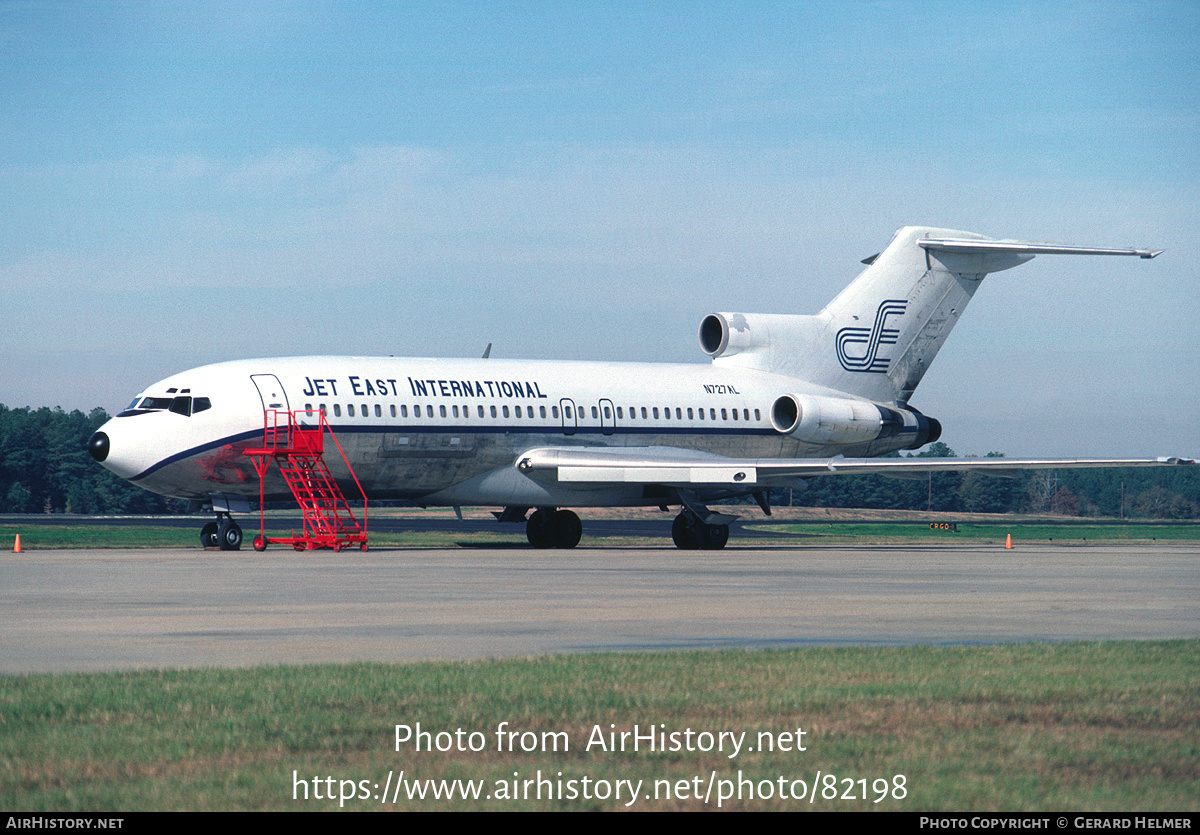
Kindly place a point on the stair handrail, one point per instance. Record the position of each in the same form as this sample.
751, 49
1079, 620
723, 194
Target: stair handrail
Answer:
325, 427
271, 428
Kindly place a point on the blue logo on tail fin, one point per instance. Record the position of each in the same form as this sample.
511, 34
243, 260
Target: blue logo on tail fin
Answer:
849, 340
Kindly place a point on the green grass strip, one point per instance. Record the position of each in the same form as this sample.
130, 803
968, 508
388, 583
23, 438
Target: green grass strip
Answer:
1029, 727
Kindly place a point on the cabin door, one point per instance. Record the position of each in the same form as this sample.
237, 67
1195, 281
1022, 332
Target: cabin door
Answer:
271, 391
608, 416
570, 416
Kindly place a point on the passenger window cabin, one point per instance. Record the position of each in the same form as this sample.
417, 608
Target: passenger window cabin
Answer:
187, 405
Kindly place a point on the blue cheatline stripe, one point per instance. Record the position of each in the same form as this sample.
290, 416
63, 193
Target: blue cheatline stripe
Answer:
552, 429
492, 429
196, 450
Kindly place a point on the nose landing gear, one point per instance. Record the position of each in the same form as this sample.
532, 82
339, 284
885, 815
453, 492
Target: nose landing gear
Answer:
224, 534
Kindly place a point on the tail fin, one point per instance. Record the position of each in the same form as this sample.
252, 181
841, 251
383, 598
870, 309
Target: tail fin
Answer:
887, 326
878, 337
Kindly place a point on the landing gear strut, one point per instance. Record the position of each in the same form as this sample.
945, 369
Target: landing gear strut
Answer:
223, 533
550, 528
691, 534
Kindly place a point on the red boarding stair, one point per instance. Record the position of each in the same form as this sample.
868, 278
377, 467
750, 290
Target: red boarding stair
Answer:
299, 447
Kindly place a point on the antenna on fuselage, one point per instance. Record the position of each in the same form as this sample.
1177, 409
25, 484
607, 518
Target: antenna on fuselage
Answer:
487, 351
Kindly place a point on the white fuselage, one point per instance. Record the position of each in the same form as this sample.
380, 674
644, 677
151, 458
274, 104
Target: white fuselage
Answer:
448, 431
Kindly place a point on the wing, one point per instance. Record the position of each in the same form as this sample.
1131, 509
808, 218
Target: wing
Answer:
686, 468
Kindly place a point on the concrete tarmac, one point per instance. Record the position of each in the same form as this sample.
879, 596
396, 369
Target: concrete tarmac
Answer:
77, 610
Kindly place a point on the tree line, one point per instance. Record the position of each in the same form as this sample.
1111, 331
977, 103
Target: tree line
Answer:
1132, 493
45, 468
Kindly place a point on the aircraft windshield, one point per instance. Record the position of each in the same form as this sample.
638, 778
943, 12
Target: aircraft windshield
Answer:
183, 404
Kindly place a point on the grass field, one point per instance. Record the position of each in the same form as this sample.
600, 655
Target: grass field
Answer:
1096, 726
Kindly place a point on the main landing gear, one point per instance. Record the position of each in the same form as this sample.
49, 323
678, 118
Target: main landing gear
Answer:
550, 528
223, 533
691, 534
696, 527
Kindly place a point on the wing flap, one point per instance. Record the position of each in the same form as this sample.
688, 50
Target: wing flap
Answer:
658, 475
642, 465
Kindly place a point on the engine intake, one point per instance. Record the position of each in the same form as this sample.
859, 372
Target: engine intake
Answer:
724, 334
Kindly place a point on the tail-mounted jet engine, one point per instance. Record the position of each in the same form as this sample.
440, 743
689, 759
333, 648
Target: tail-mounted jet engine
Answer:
757, 340
816, 419
728, 334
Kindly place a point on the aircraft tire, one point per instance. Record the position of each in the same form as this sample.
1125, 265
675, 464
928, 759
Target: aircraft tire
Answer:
714, 537
537, 529
230, 536
208, 535
565, 529
686, 537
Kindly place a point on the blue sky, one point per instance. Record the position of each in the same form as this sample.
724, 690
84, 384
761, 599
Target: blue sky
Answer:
186, 183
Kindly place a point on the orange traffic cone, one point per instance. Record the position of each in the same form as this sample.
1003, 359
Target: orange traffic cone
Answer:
17, 545
1008, 542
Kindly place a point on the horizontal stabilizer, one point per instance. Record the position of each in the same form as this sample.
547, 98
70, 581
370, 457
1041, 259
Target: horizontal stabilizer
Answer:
1027, 248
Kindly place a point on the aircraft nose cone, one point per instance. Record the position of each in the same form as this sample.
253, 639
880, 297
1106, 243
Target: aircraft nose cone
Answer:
98, 446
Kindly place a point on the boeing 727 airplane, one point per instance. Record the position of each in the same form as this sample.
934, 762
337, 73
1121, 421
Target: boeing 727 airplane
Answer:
785, 397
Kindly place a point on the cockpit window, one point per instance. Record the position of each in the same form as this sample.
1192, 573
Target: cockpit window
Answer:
183, 404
